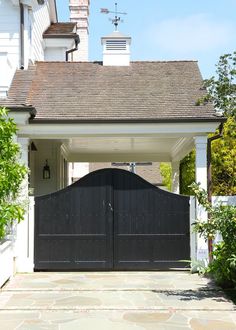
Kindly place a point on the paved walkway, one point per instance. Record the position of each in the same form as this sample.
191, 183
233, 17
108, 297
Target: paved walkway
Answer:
114, 301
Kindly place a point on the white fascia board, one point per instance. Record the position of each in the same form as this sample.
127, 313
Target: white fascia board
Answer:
20, 118
59, 42
64, 130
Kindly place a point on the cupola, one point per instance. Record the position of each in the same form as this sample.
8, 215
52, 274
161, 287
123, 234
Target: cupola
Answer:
116, 49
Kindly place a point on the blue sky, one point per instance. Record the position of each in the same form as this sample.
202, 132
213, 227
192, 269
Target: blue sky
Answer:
167, 29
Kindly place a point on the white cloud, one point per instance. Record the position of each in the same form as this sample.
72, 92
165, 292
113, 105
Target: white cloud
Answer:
191, 34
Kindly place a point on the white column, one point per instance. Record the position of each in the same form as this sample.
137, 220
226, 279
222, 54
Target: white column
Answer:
175, 177
201, 160
23, 244
201, 177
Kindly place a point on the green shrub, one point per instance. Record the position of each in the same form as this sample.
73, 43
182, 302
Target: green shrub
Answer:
12, 173
222, 219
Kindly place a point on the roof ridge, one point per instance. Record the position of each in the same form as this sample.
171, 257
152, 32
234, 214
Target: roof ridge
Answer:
97, 62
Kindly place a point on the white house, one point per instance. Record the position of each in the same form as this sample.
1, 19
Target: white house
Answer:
111, 111
29, 32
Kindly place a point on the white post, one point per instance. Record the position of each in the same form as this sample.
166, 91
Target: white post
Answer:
201, 177
175, 177
193, 235
24, 261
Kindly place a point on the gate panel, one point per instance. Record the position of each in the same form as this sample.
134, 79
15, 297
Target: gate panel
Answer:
111, 219
151, 226
74, 227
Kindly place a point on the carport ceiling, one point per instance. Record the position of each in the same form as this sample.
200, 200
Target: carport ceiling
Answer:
124, 148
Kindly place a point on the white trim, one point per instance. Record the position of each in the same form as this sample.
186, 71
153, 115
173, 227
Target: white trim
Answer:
60, 131
20, 118
118, 157
64, 43
182, 147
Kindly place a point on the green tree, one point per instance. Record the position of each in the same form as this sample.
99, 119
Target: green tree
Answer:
221, 91
224, 161
12, 173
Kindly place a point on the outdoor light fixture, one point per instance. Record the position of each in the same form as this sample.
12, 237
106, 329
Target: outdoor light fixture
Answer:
33, 147
46, 171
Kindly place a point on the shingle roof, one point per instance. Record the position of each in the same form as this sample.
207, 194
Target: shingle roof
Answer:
60, 29
90, 91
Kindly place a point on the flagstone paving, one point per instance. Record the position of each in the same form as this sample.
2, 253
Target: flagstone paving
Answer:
114, 301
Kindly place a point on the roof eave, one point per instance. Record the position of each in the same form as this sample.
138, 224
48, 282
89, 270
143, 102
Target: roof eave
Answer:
31, 110
125, 120
60, 36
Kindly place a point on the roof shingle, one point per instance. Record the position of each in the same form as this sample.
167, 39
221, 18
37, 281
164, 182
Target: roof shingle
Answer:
90, 91
60, 29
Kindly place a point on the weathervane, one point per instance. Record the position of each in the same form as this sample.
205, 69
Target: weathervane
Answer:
115, 20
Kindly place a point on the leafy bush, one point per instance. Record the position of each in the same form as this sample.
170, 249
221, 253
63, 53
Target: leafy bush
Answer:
222, 219
12, 173
166, 173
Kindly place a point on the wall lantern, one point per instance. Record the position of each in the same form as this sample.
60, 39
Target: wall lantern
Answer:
33, 147
46, 171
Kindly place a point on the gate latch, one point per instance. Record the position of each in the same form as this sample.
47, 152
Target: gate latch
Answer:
110, 207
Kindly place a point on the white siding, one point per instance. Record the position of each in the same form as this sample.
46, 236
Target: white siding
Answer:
40, 21
55, 54
37, 19
9, 43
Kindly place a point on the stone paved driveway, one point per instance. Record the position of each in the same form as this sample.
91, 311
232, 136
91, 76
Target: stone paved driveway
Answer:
114, 301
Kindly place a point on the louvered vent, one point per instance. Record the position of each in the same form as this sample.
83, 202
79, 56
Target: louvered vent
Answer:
116, 45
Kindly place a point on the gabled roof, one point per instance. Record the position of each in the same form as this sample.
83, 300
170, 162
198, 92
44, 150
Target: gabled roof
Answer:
56, 30
89, 91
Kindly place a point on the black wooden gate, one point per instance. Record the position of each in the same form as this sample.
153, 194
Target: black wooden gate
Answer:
111, 219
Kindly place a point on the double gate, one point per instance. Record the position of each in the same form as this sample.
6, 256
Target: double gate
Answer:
111, 219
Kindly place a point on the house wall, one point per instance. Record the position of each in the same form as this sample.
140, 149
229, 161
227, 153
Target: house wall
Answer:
9, 43
40, 22
37, 18
46, 150
55, 54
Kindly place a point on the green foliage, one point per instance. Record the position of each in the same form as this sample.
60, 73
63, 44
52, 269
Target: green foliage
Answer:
221, 91
223, 266
11, 174
187, 173
166, 173
224, 161
222, 219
